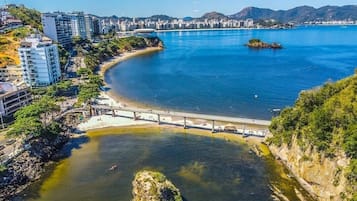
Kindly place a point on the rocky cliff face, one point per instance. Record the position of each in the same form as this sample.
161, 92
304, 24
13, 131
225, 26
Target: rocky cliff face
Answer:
321, 176
29, 165
153, 186
153, 42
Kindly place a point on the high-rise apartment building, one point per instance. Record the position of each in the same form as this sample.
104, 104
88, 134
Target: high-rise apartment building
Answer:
78, 24
89, 26
39, 61
96, 29
57, 26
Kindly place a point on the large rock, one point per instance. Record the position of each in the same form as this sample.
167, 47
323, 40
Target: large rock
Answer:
154, 186
29, 165
321, 176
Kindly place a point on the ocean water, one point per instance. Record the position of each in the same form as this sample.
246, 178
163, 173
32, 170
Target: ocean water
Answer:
213, 72
204, 169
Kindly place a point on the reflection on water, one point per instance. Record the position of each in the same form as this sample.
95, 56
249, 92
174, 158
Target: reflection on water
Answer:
202, 168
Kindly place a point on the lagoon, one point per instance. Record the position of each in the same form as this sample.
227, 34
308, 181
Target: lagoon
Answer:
203, 168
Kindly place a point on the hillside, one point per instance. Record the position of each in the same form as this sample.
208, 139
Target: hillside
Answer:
317, 138
9, 43
300, 14
28, 16
214, 15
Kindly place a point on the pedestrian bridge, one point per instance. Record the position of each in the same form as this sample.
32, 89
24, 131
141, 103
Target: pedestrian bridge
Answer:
100, 109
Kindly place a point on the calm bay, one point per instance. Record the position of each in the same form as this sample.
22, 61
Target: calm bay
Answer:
213, 72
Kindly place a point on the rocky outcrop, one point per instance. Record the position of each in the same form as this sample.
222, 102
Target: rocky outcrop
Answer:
258, 44
321, 176
29, 165
154, 186
153, 42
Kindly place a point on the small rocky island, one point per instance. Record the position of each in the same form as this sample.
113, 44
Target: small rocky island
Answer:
154, 186
258, 44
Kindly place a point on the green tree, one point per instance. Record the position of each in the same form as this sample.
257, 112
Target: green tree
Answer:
63, 86
33, 110
84, 72
27, 16
54, 128
26, 126
63, 56
87, 92
91, 61
95, 79
350, 141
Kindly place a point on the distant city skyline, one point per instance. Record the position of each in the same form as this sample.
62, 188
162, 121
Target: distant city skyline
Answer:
182, 8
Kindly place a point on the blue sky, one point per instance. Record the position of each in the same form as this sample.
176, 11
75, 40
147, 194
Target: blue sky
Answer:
178, 8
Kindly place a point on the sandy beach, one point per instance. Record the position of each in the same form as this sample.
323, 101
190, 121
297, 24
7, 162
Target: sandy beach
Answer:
127, 55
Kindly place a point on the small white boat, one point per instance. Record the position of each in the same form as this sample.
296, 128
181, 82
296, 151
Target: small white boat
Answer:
114, 167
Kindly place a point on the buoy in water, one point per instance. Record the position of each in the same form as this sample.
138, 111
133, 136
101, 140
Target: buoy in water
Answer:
255, 96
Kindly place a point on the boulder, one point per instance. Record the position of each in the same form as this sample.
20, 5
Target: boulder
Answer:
154, 186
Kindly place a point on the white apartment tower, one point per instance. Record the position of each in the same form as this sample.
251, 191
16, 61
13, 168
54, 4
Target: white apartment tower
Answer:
78, 24
57, 26
89, 27
39, 61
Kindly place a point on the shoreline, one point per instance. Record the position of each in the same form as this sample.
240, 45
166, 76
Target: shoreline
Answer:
112, 98
207, 29
245, 28
104, 67
125, 56
144, 128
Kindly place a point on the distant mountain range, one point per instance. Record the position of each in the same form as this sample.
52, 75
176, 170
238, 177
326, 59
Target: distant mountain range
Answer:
214, 15
297, 15
300, 14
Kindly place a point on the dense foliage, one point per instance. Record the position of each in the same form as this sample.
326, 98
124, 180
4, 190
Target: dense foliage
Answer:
325, 119
36, 118
28, 16
63, 56
54, 91
114, 47
90, 89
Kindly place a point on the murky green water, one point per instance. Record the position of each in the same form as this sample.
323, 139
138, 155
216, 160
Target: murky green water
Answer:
204, 169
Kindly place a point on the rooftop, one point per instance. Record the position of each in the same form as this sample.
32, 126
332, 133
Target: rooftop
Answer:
6, 87
35, 41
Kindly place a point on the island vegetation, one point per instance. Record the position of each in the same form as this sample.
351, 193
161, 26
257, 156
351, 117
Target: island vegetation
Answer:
324, 120
258, 44
154, 186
